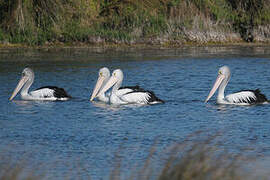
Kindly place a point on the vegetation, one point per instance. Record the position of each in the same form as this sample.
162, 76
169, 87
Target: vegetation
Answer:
191, 159
35, 22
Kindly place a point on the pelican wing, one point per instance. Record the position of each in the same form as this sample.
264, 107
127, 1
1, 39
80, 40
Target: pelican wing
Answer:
43, 93
127, 89
50, 92
141, 97
134, 88
136, 97
122, 92
247, 96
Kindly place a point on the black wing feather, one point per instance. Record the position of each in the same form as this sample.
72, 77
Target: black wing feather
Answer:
58, 92
153, 97
137, 88
260, 98
134, 88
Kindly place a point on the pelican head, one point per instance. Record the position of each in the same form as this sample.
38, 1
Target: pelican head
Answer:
103, 77
116, 79
27, 77
223, 77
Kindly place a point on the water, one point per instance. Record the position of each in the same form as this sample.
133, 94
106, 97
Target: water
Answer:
66, 135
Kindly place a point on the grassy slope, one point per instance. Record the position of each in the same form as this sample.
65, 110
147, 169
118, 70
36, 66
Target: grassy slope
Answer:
166, 22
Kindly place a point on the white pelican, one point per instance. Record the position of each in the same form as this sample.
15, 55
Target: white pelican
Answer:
244, 97
127, 95
51, 93
103, 77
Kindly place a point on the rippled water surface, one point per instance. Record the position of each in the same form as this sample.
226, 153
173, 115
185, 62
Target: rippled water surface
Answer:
65, 135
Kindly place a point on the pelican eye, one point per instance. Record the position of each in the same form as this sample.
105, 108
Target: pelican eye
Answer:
100, 74
219, 72
114, 74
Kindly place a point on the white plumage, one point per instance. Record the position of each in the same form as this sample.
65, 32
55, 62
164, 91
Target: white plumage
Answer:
127, 95
123, 95
241, 97
245, 97
49, 93
43, 93
135, 97
103, 77
123, 91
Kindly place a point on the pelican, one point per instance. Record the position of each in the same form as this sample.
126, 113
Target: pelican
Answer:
103, 77
51, 93
127, 95
244, 97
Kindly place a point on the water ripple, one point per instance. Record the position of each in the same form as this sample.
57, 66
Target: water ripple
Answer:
93, 132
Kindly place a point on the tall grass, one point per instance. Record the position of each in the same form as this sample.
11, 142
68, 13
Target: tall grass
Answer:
189, 160
37, 22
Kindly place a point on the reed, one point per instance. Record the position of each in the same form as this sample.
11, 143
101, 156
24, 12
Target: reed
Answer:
188, 160
193, 158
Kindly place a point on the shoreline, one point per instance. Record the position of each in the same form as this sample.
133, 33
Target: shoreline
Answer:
86, 51
130, 46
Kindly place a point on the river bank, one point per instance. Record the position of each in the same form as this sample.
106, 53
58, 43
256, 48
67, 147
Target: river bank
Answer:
151, 22
102, 52
125, 46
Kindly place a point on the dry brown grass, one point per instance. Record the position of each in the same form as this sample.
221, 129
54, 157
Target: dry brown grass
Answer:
192, 159
189, 160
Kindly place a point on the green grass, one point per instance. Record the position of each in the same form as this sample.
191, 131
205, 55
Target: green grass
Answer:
37, 22
2, 35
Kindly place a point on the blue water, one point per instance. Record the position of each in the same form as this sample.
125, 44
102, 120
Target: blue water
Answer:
77, 133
